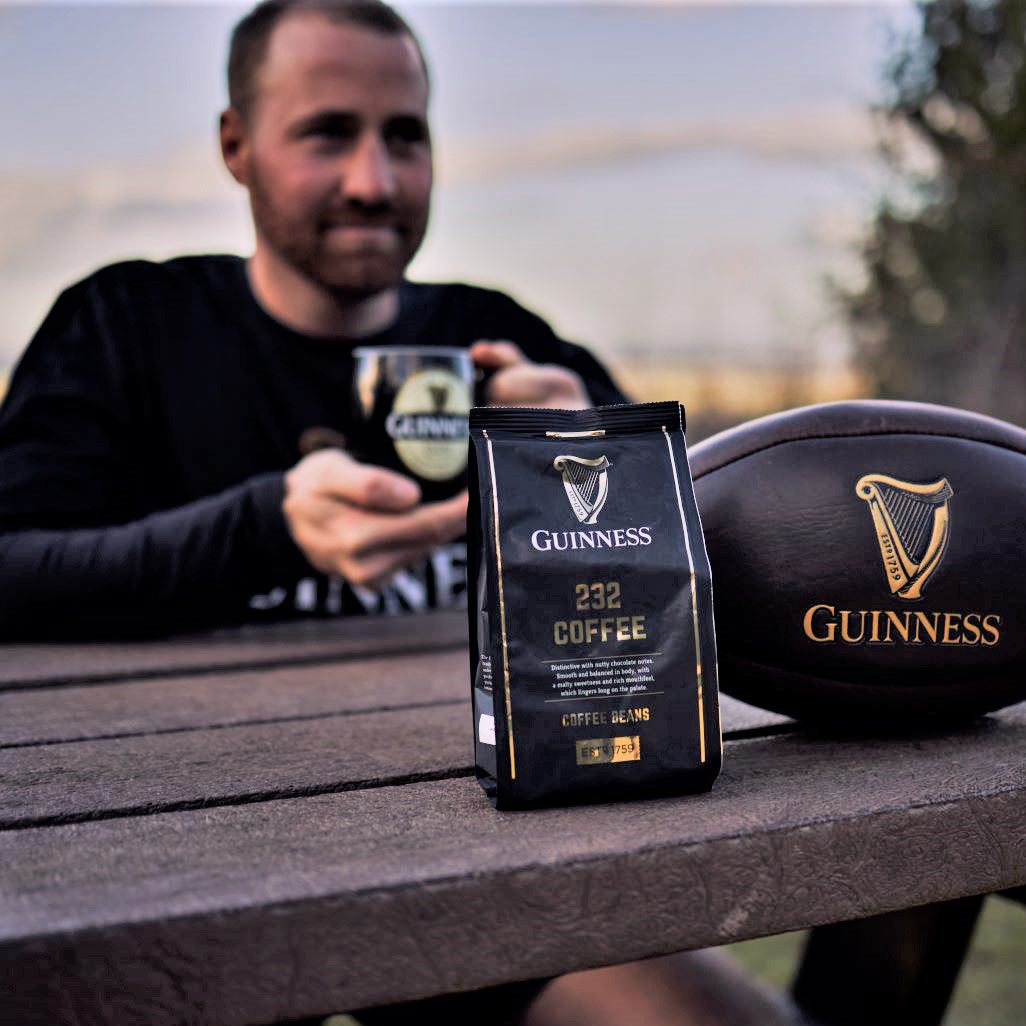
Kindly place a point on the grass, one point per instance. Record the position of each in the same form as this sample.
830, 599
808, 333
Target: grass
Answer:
771, 959
738, 391
991, 989
716, 397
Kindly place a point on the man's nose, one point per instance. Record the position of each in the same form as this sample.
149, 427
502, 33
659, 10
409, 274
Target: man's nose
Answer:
369, 175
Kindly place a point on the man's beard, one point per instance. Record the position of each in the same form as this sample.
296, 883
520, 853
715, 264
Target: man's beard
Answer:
349, 276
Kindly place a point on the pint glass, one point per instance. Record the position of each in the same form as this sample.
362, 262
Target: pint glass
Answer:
412, 405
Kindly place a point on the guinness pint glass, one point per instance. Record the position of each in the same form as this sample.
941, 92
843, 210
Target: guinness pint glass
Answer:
412, 405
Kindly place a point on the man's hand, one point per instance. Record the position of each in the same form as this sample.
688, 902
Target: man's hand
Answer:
518, 382
364, 522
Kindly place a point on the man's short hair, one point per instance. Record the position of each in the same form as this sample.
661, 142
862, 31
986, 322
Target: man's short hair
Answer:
250, 37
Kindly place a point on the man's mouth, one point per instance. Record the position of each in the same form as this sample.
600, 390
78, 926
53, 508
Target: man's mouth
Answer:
362, 236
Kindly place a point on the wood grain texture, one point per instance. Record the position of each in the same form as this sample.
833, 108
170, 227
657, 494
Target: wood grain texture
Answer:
153, 705
183, 768
162, 772
150, 705
282, 644
400, 892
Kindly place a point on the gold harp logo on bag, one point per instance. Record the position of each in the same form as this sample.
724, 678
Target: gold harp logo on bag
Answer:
586, 485
912, 527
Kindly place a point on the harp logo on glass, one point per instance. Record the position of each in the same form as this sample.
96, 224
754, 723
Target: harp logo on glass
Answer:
586, 483
912, 528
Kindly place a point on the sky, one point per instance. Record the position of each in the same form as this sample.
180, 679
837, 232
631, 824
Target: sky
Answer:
664, 182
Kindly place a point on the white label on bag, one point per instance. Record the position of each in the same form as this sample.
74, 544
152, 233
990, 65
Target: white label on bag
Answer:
486, 729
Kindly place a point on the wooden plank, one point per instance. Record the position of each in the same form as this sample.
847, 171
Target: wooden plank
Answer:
395, 893
255, 696
160, 772
281, 644
362, 745
236, 698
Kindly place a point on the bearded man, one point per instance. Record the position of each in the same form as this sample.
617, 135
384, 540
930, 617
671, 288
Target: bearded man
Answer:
152, 472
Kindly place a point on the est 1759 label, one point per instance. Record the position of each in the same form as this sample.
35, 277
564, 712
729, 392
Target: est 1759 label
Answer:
598, 751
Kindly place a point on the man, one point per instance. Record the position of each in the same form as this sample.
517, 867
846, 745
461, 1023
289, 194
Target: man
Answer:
150, 470
149, 476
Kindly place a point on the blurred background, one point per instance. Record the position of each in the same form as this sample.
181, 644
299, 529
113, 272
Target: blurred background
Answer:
675, 186
742, 206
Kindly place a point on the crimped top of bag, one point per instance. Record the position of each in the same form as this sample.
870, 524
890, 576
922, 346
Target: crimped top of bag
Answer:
626, 418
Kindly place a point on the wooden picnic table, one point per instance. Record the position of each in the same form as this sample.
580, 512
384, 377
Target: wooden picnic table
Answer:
263, 824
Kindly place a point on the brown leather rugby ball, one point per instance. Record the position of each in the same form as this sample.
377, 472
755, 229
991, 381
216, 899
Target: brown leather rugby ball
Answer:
868, 561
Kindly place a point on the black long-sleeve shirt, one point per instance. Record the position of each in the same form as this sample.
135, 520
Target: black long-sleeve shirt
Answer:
145, 436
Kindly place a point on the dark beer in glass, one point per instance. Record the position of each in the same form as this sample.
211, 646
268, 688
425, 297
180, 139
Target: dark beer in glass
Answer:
412, 405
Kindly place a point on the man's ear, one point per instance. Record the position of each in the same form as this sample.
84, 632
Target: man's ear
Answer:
235, 145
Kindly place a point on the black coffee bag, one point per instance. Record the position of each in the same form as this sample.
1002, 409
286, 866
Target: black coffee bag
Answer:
592, 649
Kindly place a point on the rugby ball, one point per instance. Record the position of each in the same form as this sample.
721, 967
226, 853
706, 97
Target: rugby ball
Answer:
868, 561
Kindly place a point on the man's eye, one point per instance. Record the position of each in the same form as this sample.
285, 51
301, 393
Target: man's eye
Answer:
331, 136
404, 133
330, 132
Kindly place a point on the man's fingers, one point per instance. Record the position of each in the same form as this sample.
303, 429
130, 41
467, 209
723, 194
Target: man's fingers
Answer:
533, 384
339, 476
495, 355
432, 524
374, 571
524, 384
375, 488
516, 381
364, 522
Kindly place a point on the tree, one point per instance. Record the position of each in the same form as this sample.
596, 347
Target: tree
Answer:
942, 314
